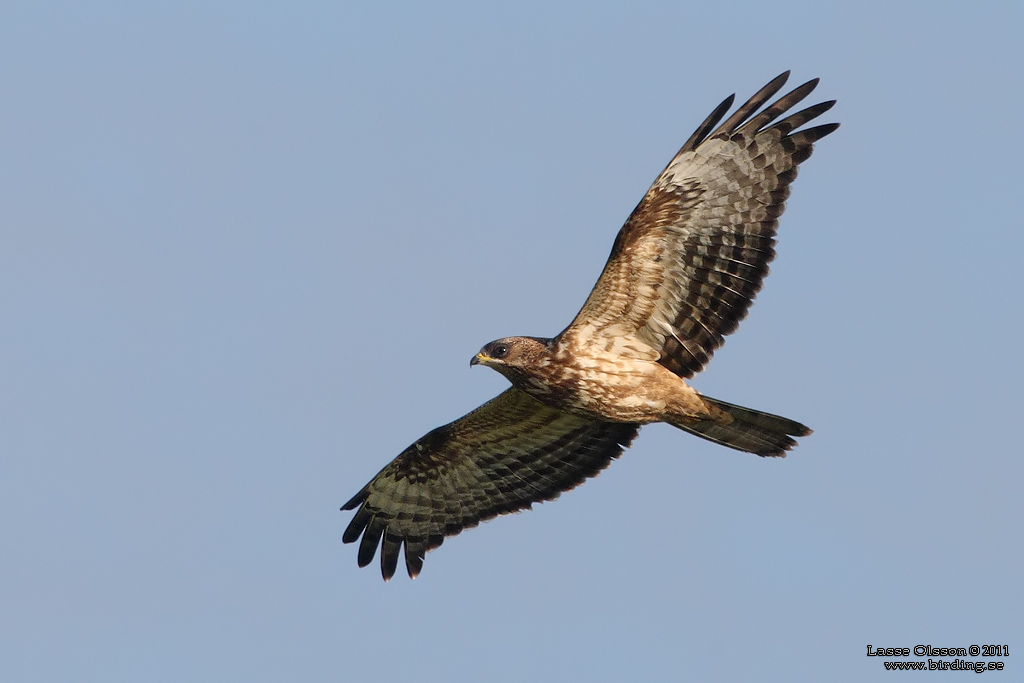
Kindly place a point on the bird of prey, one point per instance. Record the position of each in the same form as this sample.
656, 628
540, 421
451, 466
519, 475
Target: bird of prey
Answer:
682, 273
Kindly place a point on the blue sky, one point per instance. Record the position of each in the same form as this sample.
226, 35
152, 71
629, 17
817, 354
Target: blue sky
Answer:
247, 251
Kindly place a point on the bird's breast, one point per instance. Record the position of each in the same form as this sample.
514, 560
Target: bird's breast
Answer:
607, 387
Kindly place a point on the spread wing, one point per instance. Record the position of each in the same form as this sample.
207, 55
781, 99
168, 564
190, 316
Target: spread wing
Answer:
689, 260
504, 456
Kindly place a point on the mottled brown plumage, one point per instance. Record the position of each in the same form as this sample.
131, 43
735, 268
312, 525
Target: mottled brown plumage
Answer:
682, 273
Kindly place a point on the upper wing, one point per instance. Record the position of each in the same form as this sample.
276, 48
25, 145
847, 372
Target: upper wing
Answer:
687, 264
507, 454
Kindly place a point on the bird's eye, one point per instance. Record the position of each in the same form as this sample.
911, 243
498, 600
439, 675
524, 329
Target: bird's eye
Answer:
499, 351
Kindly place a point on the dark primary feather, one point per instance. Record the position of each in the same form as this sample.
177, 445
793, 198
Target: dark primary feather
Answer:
504, 456
759, 98
690, 259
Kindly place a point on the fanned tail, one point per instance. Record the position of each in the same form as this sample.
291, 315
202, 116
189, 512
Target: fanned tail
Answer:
750, 430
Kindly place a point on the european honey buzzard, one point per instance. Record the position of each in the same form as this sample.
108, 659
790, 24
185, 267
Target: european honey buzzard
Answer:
682, 273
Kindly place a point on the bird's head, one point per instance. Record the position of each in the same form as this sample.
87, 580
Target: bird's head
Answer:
511, 356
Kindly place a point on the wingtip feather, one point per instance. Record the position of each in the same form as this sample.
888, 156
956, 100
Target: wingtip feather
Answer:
356, 500
389, 550
371, 539
709, 123
356, 526
748, 108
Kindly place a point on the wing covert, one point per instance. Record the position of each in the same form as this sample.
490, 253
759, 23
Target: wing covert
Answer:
504, 456
688, 262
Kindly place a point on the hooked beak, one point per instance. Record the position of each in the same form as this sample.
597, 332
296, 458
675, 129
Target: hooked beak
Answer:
478, 359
